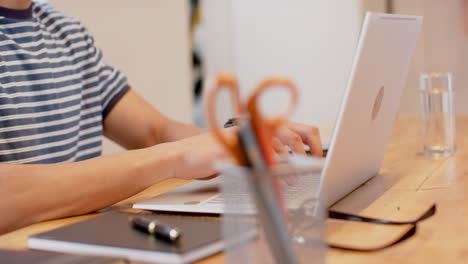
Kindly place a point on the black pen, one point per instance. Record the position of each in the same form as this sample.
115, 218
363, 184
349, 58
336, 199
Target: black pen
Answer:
155, 228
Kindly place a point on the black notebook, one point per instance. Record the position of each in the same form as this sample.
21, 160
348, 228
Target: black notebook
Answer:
112, 235
42, 257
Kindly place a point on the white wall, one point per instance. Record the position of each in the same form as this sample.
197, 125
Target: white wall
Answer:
214, 37
289, 38
312, 42
148, 40
442, 48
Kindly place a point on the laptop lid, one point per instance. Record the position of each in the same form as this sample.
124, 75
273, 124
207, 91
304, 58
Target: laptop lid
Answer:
370, 103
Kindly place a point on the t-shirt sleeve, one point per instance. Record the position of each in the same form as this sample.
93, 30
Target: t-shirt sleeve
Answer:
112, 83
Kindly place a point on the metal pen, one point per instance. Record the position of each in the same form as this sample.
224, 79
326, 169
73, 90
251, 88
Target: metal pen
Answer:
266, 200
155, 228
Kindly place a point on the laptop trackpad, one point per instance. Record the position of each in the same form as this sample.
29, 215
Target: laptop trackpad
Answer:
194, 193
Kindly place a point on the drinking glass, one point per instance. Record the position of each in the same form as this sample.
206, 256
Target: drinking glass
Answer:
436, 93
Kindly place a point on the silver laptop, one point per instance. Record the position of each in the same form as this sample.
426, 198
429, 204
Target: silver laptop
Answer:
370, 104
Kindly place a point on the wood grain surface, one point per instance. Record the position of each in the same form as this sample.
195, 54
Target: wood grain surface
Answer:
407, 185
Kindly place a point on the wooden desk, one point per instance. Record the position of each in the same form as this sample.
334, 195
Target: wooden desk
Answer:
407, 184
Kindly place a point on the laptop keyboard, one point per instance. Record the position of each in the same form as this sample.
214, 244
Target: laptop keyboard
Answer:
295, 193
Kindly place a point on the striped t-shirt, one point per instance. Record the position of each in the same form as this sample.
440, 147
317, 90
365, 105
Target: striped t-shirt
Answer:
55, 88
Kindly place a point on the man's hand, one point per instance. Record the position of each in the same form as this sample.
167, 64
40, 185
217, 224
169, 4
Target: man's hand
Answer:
136, 124
199, 152
296, 135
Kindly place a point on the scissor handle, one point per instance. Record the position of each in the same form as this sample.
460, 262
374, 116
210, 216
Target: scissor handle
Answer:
274, 121
224, 81
265, 127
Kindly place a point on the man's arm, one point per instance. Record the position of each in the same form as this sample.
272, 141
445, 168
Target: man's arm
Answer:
34, 193
134, 124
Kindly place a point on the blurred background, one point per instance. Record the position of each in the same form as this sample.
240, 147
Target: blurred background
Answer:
169, 49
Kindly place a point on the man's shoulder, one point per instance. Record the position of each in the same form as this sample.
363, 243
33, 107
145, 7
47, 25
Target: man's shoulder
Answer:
48, 14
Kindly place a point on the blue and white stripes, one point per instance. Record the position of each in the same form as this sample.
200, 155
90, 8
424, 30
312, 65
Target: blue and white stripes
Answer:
55, 89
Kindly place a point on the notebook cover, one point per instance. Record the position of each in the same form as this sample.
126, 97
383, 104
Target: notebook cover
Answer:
200, 237
42, 257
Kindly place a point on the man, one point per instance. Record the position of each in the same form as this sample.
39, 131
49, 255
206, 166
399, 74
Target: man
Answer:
58, 97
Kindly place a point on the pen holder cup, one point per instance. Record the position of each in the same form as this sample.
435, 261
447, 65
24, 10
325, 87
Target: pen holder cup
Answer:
264, 225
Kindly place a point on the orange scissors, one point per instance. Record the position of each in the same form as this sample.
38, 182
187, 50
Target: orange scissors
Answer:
263, 128
253, 147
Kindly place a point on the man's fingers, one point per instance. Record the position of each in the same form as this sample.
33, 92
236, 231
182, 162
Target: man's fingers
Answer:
315, 149
279, 147
310, 136
292, 139
315, 144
